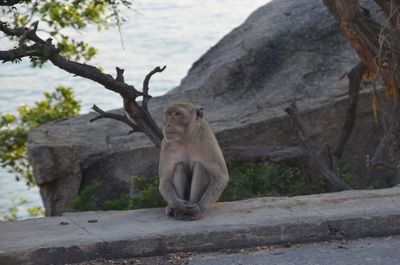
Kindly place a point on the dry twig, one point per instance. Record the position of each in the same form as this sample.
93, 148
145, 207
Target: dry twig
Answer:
302, 156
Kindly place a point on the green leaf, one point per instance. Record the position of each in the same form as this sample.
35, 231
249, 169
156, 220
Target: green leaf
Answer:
60, 17
13, 129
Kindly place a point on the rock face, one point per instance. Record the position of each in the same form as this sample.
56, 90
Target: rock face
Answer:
286, 51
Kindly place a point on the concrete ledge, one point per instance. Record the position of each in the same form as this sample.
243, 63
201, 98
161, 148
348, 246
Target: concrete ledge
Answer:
263, 221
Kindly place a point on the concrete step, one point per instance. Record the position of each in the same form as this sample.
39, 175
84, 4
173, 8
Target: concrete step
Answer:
76, 237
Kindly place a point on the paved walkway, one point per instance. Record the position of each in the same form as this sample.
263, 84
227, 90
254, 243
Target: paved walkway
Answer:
82, 236
371, 251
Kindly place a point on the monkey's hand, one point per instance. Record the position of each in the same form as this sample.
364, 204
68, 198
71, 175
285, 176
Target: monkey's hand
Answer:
186, 206
195, 209
190, 215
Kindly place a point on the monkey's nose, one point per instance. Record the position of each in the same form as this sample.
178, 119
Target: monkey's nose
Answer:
168, 125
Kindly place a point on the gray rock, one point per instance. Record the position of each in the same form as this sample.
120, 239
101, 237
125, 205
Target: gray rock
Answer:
286, 51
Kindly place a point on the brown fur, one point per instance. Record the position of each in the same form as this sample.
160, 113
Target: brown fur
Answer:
192, 170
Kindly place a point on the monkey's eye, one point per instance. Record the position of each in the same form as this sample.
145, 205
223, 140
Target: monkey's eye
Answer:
177, 114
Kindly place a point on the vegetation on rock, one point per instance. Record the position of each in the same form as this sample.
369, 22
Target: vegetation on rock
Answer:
246, 181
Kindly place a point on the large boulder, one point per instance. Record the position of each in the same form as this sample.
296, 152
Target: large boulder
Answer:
286, 51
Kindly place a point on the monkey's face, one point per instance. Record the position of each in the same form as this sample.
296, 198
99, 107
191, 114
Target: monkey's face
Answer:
179, 118
176, 121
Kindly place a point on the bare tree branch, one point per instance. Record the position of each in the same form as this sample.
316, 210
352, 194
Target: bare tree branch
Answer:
377, 159
355, 79
315, 166
381, 150
94, 74
146, 96
293, 156
388, 6
114, 116
120, 74
19, 32
9, 2
296, 121
19, 53
375, 164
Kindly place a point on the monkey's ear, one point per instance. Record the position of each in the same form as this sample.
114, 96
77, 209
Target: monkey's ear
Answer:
199, 113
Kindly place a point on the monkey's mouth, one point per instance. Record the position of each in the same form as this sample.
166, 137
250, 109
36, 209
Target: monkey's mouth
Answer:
171, 135
172, 131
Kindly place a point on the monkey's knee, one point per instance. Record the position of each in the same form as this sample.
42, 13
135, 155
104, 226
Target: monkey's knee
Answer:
200, 182
180, 181
180, 170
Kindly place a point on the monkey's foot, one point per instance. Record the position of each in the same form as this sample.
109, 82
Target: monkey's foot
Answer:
179, 215
173, 212
185, 217
169, 211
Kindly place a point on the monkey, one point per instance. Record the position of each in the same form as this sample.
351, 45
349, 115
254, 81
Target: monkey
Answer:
192, 169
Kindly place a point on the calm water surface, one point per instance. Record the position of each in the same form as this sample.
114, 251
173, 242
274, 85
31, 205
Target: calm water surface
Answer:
157, 32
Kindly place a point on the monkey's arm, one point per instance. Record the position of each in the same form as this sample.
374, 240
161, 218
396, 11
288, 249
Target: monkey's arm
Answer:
168, 192
213, 191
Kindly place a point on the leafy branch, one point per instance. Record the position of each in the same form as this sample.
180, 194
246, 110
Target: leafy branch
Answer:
59, 15
139, 115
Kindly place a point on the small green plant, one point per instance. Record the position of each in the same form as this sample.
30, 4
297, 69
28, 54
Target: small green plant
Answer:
258, 180
16, 205
85, 200
35, 211
345, 174
13, 210
149, 195
121, 203
14, 129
